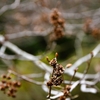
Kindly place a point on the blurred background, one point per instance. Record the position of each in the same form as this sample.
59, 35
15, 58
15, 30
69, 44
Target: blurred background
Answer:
27, 24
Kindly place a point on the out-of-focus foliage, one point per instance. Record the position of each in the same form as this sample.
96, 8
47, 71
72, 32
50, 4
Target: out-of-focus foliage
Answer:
81, 35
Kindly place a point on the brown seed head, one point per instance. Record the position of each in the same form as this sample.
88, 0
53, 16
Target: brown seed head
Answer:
18, 84
8, 93
66, 93
2, 88
49, 83
3, 81
53, 62
9, 83
60, 21
68, 87
3, 76
68, 65
13, 95
8, 77
14, 83
11, 90
62, 98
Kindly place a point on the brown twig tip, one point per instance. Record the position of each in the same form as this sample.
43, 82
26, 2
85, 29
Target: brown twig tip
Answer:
56, 54
68, 65
76, 69
91, 54
68, 87
49, 83
47, 59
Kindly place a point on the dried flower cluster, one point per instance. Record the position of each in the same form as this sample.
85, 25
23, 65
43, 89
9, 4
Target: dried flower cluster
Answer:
57, 73
95, 32
66, 93
8, 86
87, 27
58, 23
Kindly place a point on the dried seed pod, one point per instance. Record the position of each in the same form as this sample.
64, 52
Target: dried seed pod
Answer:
60, 21
8, 86
14, 89
4, 76
18, 84
54, 21
8, 77
96, 33
68, 87
11, 90
13, 95
8, 93
49, 83
14, 83
87, 26
3, 81
56, 55
54, 16
62, 98
2, 88
66, 93
68, 65
9, 83
58, 70
60, 67
53, 62
5, 85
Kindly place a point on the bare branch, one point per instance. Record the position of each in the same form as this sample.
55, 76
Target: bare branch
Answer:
9, 7
25, 78
81, 60
27, 56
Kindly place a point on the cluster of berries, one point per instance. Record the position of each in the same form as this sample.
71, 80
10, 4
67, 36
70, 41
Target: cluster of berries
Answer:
8, 86
57, 73
58, 23
66, 93
89, 28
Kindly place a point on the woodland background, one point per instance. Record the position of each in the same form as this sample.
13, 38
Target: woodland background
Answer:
27, 25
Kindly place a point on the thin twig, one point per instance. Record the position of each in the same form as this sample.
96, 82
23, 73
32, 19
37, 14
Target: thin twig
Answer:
25, 78
73, 76
88, 66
